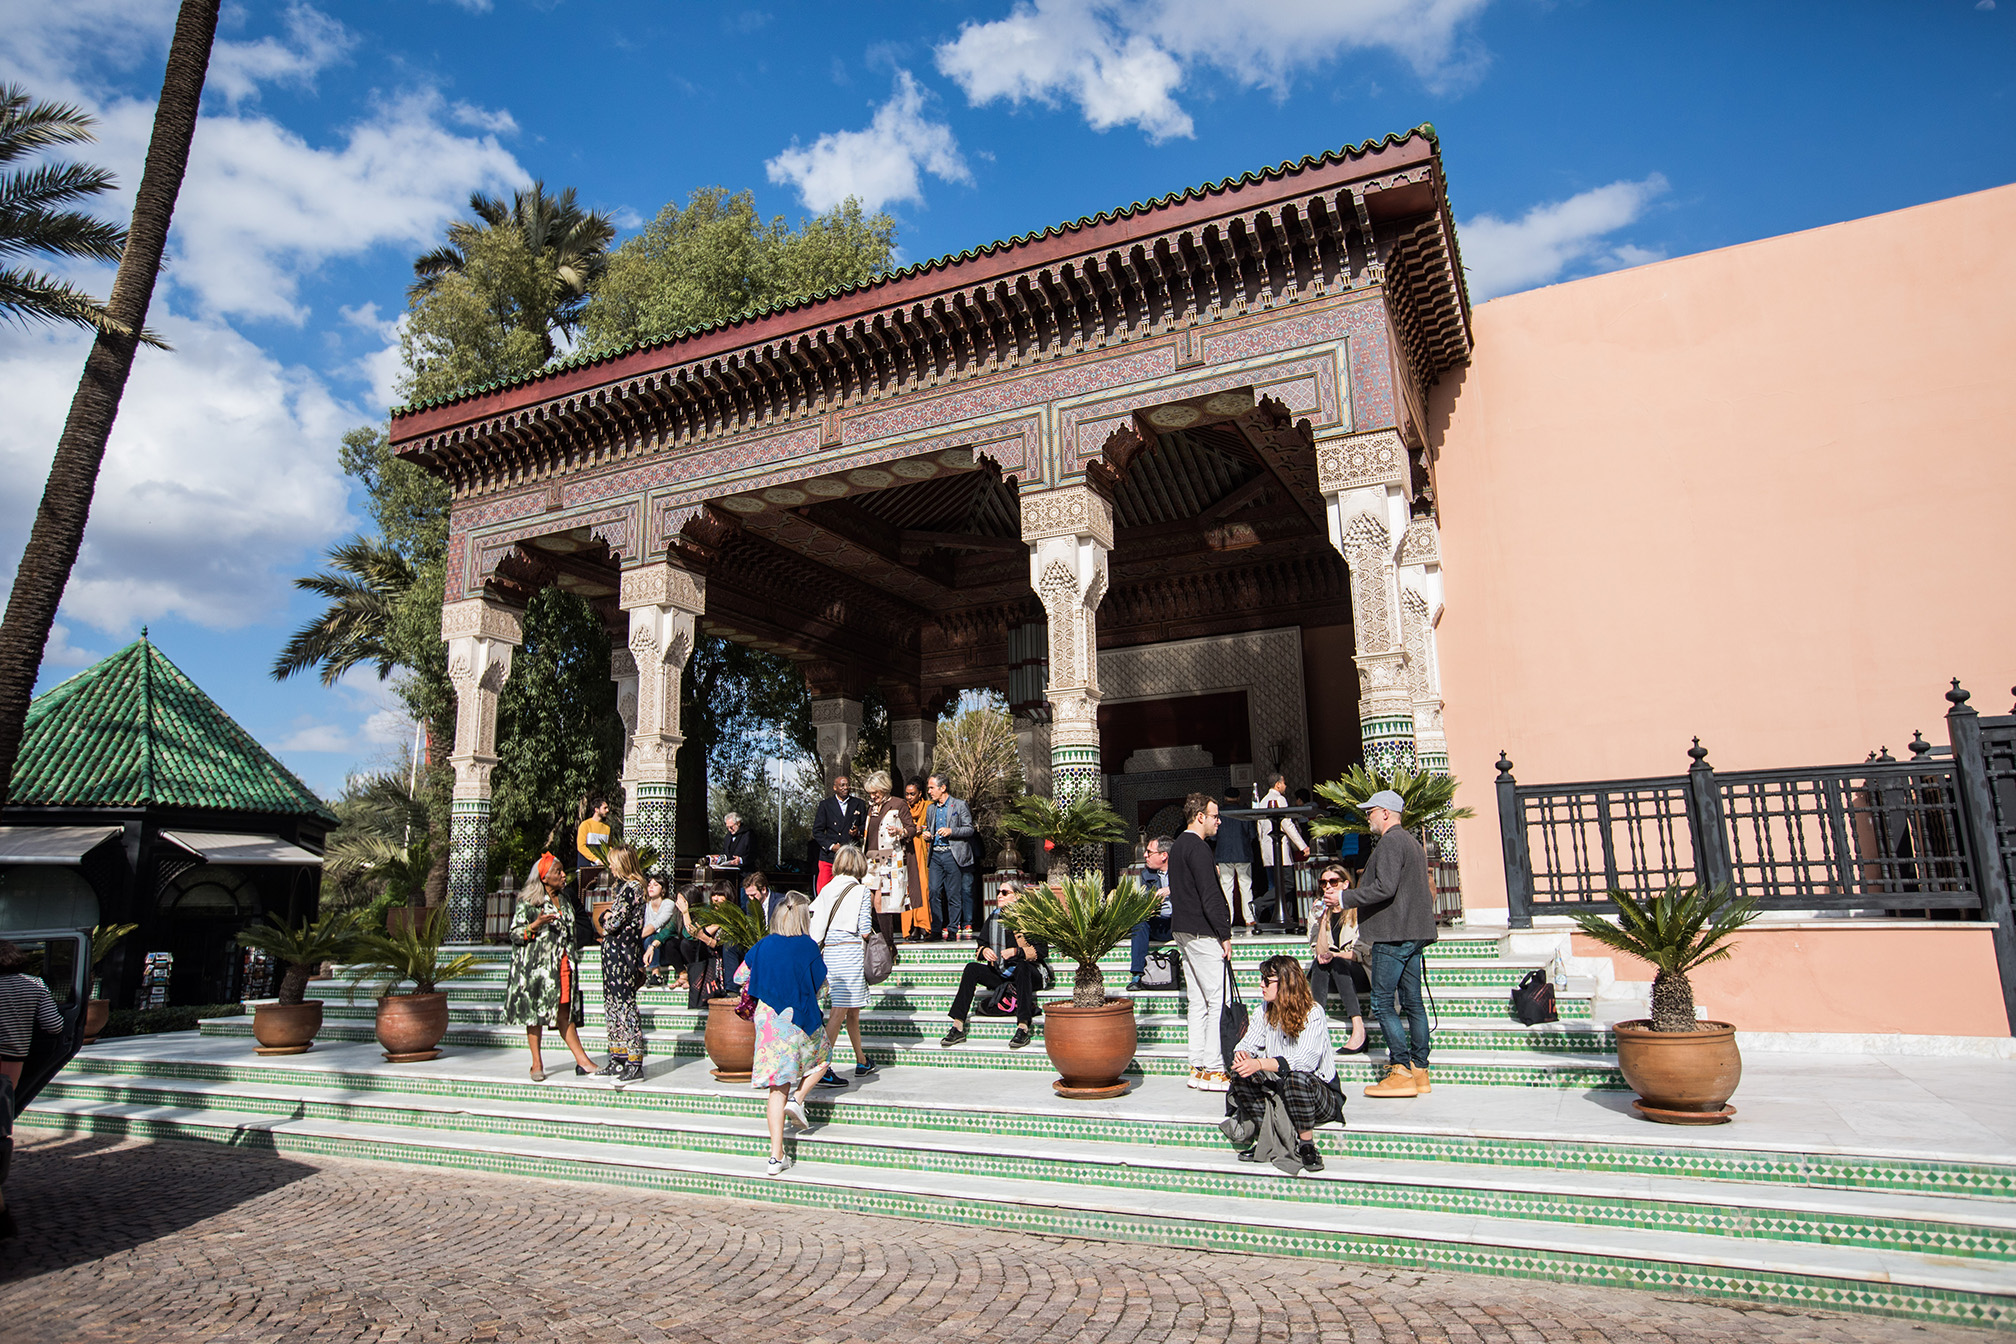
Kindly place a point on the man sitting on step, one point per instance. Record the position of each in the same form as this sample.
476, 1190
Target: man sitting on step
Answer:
1003, 955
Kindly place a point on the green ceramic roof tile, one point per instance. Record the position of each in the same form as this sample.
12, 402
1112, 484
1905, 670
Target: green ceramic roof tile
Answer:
134, 731
1264, 174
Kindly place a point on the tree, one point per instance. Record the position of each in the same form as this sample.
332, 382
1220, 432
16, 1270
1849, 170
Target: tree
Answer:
717, 258
366, 582
469, 328
34, 217
1683, 928
977, 757
738, 708
1426, 798
58, 531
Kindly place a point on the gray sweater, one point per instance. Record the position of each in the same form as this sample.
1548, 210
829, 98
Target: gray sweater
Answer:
1395, 902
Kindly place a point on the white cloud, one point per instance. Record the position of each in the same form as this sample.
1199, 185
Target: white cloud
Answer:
1502, 256
60, 652
879, 165
219, 483
383, 367
316, 737
314, 42
1123, 61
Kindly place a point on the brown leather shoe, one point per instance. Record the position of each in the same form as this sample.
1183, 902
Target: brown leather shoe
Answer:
1399, 1082
1420, 1072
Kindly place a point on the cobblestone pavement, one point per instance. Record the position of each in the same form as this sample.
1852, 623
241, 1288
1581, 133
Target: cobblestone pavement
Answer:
166, 1242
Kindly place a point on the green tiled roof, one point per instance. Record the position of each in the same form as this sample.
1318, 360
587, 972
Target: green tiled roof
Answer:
134, 731
1425, 130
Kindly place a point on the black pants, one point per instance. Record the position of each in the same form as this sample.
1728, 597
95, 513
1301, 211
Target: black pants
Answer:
1344, 977
981, 974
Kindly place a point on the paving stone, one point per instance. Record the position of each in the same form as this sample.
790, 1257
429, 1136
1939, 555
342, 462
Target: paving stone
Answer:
120, 1241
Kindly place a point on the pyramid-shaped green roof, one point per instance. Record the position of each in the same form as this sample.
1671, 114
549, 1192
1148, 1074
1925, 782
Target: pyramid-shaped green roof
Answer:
134, 731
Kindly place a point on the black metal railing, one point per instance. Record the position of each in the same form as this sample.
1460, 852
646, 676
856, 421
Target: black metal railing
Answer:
1934, 833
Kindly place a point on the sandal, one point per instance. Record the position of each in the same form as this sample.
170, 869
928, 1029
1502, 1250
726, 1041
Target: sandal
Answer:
538, 1074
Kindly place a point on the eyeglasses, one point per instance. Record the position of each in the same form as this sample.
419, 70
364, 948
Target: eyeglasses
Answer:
1333, 881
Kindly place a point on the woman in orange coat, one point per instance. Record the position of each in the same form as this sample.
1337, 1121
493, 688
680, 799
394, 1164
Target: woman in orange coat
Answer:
917, 919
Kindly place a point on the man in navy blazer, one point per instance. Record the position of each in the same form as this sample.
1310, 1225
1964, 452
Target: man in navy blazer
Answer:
948, 823
841, 820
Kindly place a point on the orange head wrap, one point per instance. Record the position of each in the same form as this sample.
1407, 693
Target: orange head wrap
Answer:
547, 869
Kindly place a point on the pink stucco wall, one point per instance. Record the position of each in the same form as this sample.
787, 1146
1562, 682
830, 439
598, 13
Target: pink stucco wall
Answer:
1926, 981
1766, 495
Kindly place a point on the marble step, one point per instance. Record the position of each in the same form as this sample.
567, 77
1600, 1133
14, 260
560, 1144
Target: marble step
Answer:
1920, 1224
1254, 1217
1245, 951
1500, 1068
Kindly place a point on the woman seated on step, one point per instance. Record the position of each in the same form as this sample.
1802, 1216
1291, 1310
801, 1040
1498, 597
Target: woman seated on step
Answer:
661, 930
711, 960
1284, 1074
783, 973
1002, 955
1334, 964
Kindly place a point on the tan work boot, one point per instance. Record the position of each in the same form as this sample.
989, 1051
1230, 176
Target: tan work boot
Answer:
1399, 1082
1421, 1079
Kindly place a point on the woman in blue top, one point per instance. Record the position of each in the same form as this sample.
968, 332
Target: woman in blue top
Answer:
783, 973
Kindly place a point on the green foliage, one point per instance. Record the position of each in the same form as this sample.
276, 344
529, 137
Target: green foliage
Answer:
1684, 927
1071, 831
395, 956
381, 849
105, 937
744, 928
717, 258
1428, 797
1083, 922
34, 216
364, 583
478, 323
153, 1021
754, 794
409, 506
302, 947
977, 757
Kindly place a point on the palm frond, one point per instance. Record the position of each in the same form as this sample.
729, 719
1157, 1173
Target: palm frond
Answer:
1688, 925
26, 294
105, 937
1088, 820
744, 928
396, 956
27, 127
363, 589
329, 938
1426, 796
1082, 921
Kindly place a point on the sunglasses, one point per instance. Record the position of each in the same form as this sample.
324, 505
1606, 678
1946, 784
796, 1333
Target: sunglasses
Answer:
1270, 979
1333, 881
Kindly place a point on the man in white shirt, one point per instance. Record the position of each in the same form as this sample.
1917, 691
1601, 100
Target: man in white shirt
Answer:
1294, 850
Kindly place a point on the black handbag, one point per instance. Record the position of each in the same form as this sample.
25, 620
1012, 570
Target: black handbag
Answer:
1533, 999
1233, 1019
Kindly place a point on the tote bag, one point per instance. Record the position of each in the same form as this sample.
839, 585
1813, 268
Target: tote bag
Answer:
1233, 1019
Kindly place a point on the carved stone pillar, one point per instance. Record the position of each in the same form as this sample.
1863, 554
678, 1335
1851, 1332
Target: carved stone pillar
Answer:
1365, 484
480, 635
663, 601
836, 725
1070, 534
914, 741
1032, 745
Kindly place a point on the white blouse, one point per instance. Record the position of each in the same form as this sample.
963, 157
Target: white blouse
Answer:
1309, 1052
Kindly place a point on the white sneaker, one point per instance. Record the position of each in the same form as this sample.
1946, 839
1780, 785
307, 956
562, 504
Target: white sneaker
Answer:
794, 1112
1214, 1080
777, 1166
1196, 1079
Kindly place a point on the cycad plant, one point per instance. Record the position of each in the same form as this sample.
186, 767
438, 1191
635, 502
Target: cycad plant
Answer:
411, 952
743, 928
302, 947
1683, 927
1083, 922
1427, 797
1073, 828
105, 937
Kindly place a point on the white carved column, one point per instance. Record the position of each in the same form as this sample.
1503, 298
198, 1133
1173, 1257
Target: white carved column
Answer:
1070, 535
664, 601
914, 741
836, 727
1419, 570
1366, 490
480, 635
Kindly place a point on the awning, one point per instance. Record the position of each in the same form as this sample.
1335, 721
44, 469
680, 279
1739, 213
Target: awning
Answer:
51, 844
240, 851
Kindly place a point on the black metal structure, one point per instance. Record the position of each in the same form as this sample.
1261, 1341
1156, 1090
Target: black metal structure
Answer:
1288, 901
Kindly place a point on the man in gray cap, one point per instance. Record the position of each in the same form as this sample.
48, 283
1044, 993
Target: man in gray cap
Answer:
1397, 917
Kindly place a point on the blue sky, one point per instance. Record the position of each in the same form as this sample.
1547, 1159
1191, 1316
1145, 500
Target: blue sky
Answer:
339, 138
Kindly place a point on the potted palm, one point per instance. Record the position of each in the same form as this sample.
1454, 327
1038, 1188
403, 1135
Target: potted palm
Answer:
1684, 1070
1073, 831
731, 1040
104, 937
1091, 1039
410, 1025
287, 1025
1428, 797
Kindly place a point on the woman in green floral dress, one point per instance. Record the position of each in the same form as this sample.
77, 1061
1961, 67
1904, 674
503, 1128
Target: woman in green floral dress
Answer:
544, 986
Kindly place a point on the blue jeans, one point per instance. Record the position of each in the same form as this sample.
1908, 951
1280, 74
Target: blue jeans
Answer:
951, 892
1154, 929
1396, 973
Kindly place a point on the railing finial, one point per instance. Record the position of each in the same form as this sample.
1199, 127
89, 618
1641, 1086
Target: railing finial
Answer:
1919, 746
1957, 696
1504, 764
1885, 758
1697, 753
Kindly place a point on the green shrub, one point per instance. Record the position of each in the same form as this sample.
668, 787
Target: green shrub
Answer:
151, 1021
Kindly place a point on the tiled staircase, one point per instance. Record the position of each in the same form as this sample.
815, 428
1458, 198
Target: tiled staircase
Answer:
973, 1135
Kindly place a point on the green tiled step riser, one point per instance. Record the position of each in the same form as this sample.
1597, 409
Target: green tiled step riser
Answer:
1152, 1029
1742, 1285
688, 1045
1247, 953
1825, 1171
1916, 1237
909, 974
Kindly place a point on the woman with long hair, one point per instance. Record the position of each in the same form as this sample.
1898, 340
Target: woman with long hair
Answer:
623, 967
1284, 1058
543, 987
783, 973
1334, 963
842, 924
661, 930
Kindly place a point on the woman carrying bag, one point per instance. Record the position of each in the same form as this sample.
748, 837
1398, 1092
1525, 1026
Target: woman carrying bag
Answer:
892, 859
842, 923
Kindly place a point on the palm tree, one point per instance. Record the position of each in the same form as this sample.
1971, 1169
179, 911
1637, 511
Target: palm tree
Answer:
363, 587
51, 552
32, 217
1076, 829
1682, 928
573, 243
1426, 798
1084, 922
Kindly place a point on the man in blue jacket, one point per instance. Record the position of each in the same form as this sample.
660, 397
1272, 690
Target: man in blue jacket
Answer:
948, 822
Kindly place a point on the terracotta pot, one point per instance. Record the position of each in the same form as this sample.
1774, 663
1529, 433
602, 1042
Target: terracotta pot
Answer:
96, 1014
411, 1025
731, 1042
1091, 1047
286, 1028
1681, 1077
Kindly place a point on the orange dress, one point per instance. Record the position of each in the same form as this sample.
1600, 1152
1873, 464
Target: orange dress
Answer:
918, 919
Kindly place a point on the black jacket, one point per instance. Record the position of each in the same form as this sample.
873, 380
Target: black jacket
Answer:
735, 849
993, 933
836, 824
1394, 901
1196, 904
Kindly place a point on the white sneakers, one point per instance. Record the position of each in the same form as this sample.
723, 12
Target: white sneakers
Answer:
1210, 1080
777, 1166
794, 1113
